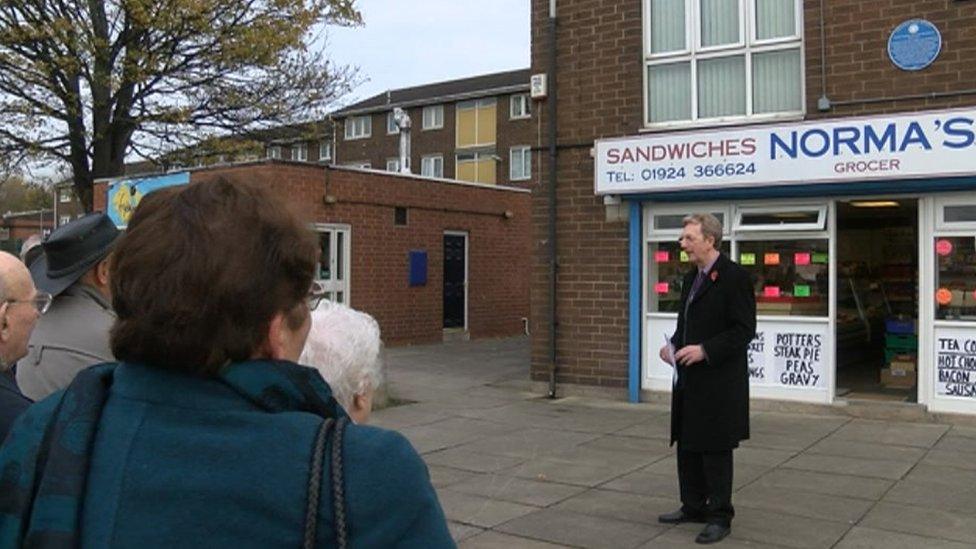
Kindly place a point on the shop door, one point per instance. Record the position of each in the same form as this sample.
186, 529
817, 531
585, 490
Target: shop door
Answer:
334, 262
877, 299
455, 280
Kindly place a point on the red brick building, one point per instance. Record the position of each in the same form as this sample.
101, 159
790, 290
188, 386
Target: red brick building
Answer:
16, 227
874, 229
427, 258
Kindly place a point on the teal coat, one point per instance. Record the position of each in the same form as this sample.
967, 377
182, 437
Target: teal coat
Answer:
188, 462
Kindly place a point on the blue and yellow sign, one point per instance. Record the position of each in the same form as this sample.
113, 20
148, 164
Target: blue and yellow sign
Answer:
124, 194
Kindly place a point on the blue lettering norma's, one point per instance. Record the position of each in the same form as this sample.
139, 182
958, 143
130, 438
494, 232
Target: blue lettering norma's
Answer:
867, 139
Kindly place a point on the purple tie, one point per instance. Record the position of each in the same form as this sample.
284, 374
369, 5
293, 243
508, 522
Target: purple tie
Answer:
696, 285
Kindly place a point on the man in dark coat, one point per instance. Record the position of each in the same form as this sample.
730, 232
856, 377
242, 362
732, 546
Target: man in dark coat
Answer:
710, 399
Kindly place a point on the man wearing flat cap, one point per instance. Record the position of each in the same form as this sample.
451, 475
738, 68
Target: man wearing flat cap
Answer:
74, 334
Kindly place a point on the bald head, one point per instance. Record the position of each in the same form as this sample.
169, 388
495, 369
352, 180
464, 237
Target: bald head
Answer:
17, 314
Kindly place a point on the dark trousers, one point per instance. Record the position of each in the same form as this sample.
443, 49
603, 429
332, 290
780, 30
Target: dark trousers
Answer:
705, 479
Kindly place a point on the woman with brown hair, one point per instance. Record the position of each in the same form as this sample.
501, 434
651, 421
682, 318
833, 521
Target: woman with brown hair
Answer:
206, 433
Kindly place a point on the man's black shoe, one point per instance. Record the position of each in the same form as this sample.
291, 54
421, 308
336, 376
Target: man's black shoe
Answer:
713, 533
678, 517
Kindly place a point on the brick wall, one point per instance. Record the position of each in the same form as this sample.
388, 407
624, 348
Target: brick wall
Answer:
600, 92
498, 283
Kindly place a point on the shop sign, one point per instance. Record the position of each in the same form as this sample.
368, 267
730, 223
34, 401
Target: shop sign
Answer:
910, 146
914, 45
788, 355
955, 360
125, 194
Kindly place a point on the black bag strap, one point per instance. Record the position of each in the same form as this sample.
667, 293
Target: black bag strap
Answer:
338, 486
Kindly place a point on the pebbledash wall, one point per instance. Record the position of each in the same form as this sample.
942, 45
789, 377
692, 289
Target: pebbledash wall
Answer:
361, 205
608, 318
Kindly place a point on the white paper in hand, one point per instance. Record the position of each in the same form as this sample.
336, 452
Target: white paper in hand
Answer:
671, 360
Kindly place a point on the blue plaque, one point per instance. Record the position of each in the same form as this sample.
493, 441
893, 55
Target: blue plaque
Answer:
914, 45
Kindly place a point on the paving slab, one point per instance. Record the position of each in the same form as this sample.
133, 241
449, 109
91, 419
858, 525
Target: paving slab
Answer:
657, 426
680, 538
792, 480
774, 422
787, 530
922, 435
568, 528
873, 468
794, 442
630, 445
938, 477
818, 506
442, 477
743, 473
462, 531
479, 511
921, 521
518, 490
871, 538
399, 417
958, 498
620, 506
530, 443
648, 484
478, 462
956, 442
949, 458
450, 432
570, 472
497, 540
848, 448
761, 456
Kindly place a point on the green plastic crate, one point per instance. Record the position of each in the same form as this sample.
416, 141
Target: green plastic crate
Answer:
901, 342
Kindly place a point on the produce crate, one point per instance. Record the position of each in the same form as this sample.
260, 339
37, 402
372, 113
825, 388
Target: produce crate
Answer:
900, 326
901, 342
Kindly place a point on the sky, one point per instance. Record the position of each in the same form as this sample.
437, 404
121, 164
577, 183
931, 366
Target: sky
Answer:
406, 43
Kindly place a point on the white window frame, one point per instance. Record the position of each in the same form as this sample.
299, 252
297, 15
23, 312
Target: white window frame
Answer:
64, 195
947, 201
684, 209
436, 113
358, 127
393, 165
391, 126
336, 284
520, 107
524, 151
274, 151
432, 159
299, 152
327, 147
64, 220
819, 225
692, 53
364, 164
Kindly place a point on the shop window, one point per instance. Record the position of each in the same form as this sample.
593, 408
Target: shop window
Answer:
955, 213
722, 59
668, 267
476, 121
791, 277
768, 219
955, 278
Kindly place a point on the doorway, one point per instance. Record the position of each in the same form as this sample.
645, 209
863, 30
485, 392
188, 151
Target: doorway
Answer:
455, 280
877, 299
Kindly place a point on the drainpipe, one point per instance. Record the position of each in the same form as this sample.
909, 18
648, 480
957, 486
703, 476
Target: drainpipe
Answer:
553, 153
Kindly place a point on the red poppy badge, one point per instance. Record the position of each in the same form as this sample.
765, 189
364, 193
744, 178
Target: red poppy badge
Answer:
714, 276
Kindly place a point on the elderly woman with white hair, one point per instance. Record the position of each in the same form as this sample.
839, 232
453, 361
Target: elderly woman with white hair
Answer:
344, 346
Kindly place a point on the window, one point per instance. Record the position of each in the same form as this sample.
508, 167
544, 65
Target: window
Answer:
433, 117
781, 219
64, 220
334, 264
64, 195
520, 163
476, 123
299, 151
365, 164
476, 168
432, 166
392, 164
359, 127
399, 216
521, 106
274, 151
325, 151
391, 125
713, 60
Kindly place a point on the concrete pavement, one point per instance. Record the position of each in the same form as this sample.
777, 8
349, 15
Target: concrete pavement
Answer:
513, 469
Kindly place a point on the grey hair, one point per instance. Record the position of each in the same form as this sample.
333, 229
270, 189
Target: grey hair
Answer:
344, 346
710, 226
32, 241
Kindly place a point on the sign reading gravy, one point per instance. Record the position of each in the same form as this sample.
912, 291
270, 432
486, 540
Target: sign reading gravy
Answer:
787, 356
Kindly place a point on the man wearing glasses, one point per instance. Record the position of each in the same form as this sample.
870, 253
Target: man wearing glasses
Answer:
20, 307
74, 334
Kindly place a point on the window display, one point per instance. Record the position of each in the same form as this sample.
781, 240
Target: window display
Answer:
668, 266
791, 277
955, 278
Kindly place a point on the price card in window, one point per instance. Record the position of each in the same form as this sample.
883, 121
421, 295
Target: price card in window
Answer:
801, 258
771, 291
661, 288
819, 257
771, 258
801, 290
684, 257
747, 259
662, 256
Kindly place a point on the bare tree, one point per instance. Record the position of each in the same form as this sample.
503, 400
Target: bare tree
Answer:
86, 82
